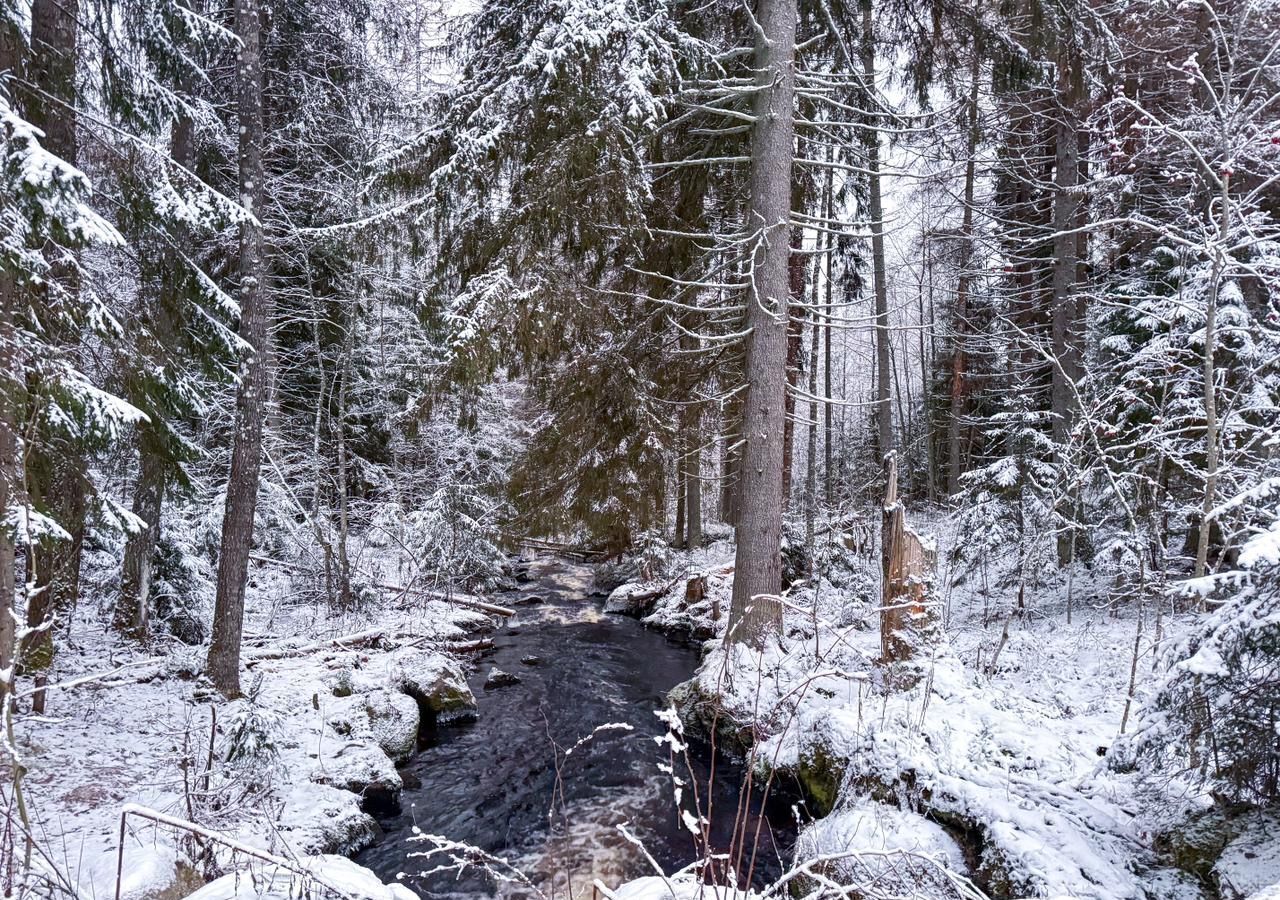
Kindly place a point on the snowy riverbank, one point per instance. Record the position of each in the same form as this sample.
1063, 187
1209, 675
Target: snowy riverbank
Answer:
290, 770
990, 758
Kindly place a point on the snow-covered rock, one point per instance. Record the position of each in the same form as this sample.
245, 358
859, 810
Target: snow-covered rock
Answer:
682, 887
898, 851
499, 679
436, 682
318, 818
635, 598
358, 765
1251, 863
391, 719
327, 877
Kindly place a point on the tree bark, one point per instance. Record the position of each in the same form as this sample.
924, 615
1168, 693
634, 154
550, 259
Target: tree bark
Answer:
811, 467
693, 477
731, 426
680, 495
11, 383
758, 568
57, 480
1210, 377
132, 613
345, 598
246, 455
908, 566
1065, 203
828, 470
959, 354
795, 346
871, 135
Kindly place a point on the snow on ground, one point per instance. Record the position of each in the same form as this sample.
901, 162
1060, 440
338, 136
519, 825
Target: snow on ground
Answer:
1010, 757
335, 874
322, 728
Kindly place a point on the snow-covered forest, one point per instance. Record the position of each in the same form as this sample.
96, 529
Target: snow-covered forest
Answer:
640, 449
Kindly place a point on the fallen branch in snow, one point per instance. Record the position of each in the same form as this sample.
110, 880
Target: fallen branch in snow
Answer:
345, 642
454, 646
457, 599
95, 677
142, 812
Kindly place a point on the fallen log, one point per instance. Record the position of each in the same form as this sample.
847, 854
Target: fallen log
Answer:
345, 642
457, 599
351, 641
475, 646
460, 600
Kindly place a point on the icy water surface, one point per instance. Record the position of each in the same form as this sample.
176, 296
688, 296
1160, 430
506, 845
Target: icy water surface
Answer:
490, 783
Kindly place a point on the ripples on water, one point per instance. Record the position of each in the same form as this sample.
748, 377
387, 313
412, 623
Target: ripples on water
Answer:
490, 783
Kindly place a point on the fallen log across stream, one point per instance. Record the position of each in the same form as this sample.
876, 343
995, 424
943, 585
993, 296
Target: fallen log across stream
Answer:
467, 600
362, 638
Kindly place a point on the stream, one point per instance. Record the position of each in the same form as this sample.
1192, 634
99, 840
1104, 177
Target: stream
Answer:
490, 782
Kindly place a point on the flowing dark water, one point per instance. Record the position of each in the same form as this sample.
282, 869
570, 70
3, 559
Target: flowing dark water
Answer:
490, 783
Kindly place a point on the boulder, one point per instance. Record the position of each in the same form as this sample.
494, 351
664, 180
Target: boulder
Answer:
437, 683
1250, 862
531, 660
499, 679
318, 818
357, 764
391, 719
899, 852
1195, 844
635, 598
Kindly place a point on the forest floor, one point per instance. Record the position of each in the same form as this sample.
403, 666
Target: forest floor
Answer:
330, 708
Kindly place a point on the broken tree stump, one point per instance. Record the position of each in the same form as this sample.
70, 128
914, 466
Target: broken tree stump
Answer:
908, 577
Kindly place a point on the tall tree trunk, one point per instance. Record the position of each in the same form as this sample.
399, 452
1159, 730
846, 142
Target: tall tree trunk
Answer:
871, 135
344, 466
11, 383
959, 353
730, 458
680, 494
1063, 311
693, 481
132, 613
246, 454
795, 345
758, 566
1210, 378
926, 402
828, 309
57, 479
811, 466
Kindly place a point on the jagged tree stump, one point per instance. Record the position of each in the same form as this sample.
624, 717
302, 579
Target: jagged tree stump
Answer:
908, 576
